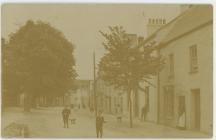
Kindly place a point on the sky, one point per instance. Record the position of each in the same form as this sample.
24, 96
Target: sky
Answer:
81, 23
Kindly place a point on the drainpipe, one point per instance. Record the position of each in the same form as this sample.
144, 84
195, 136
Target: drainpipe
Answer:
158, 94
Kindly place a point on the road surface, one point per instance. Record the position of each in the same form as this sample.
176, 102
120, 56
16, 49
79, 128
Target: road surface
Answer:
47, 123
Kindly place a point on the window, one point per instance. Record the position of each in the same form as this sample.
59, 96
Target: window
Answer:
121, 104
171, 66
193, 59
147, 97
169, 101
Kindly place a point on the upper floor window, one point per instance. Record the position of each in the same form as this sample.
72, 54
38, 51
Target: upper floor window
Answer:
193, 59
171, 65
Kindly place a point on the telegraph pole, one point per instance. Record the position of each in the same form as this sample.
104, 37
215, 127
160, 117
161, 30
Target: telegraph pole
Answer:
95, 96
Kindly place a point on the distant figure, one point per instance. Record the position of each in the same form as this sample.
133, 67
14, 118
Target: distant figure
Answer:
72, 116
65, 115
181, 119
119, 113
143, 113
99, 124
181, 122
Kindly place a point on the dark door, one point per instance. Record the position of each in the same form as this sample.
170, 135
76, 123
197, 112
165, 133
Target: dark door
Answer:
182, 110
196, 104
110, 104
169, 102
181, 105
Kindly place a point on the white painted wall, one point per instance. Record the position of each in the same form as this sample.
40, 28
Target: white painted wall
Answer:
184, 81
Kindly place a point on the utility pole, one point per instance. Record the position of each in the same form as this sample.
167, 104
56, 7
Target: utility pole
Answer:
95, 96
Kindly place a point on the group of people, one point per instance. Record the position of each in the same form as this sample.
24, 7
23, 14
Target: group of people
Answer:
69, 114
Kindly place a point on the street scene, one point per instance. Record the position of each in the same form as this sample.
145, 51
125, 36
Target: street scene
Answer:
107, 71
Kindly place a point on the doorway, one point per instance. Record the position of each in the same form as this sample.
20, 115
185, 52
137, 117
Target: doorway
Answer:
196, 108
181, 112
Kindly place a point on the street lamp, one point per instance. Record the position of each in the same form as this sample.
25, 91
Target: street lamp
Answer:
95, 88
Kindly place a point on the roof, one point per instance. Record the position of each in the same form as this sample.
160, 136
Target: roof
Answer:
190, 20
193, 18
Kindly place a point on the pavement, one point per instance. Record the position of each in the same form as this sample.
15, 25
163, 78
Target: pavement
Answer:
47, 123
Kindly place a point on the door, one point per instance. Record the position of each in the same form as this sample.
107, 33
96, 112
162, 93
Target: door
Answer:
196, 108
169, 102
181, 112
181, 108
110, 104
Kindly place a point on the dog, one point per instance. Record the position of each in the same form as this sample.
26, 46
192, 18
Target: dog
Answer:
73, 121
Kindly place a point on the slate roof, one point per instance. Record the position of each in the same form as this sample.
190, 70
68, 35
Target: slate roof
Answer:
196, 16
191, 19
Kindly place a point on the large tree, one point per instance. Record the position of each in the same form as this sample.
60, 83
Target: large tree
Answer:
38, 61
126, 64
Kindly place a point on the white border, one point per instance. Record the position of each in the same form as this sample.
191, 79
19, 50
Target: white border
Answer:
213, 2
110, 1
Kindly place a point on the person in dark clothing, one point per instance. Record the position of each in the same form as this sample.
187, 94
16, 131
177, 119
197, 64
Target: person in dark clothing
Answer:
143, 113
99, 124
65, 115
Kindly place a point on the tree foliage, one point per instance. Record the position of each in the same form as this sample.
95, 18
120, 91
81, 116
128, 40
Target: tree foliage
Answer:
126, 64
38, 60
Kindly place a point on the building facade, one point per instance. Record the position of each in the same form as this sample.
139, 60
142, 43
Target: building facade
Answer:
81, 96
110, 98
185, 84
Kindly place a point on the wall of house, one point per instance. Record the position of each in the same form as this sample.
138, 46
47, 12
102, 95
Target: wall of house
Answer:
184, 81
109, 97
82, 96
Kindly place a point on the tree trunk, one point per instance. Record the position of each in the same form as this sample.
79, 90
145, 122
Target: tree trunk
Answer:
136, 102
130, 109
27, 105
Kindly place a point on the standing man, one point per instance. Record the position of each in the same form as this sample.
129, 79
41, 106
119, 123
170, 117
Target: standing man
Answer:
143, 113
119, 113
99, 124
65, 115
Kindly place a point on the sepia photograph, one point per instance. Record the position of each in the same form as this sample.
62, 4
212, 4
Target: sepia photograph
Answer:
93, 70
